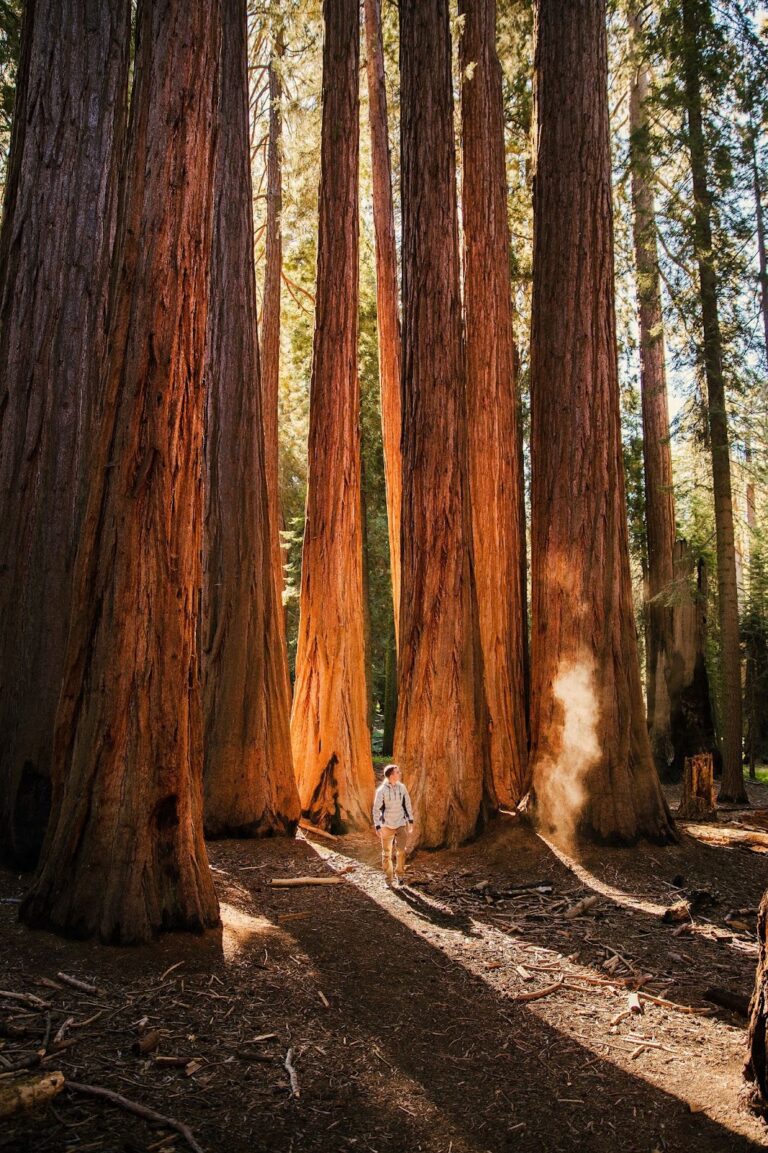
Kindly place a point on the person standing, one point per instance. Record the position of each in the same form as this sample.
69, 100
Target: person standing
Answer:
393, 821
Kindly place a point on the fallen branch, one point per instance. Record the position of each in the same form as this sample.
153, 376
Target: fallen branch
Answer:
581, 907
25, 999
76, 983
673, 1005
537, 994
292, 882
308, 827
291, 1071
139, 1110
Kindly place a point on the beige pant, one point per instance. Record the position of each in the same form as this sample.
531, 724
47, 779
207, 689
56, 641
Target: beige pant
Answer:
397, 838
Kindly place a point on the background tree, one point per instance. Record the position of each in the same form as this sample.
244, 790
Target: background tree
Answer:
591, 758
695, 14
125, 855
495, 466
249, 788
329, 731
55, 248
441, 737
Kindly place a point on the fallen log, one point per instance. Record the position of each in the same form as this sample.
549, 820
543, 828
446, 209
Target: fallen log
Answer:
308, 827
29, 1092
728, 999
293, 882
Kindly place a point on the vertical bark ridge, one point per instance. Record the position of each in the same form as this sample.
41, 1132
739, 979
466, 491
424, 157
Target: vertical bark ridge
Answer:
125, 856
249, 788
329, 730
494, 460
592, 764
441, 736
55, 250
387, 299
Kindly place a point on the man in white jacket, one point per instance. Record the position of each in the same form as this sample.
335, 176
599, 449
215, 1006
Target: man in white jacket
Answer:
393, 821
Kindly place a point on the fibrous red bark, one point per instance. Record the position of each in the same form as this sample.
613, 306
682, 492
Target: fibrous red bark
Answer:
125, 855
441, 736
494, 461
249, 788
270, 321
55, 250
592, 764
329, 730
387, 298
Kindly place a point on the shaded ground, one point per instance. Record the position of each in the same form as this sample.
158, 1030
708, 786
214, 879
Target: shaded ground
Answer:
401, 1007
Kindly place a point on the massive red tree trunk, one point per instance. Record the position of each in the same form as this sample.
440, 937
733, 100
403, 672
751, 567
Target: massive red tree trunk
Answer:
592, 764
329, 730
270, 322
387, 301
125, 856
494, 461
441, 737
694, 14
55, 249
249, 787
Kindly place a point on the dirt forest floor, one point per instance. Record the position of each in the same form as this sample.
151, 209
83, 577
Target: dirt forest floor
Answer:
481, 1007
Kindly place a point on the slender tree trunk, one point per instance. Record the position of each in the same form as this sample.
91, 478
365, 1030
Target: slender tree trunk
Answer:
441, 737
761, 249
55, 250
592, 765
387, 306
692, 721
330, 736
270, 321
657, 454
125, 855
494, 461
249, 788
694, 12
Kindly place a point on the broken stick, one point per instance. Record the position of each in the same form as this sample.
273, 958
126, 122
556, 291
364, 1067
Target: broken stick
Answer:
291, 1071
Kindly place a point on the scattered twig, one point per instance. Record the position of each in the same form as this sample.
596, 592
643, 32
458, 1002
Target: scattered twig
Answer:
137, 1109
25, 999
76, 983
291, 1071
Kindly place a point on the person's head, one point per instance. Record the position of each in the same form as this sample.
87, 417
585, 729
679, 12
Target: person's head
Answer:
392, 774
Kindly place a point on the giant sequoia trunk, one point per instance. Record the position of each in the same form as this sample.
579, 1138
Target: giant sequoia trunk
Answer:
441, 736
657, 453
694, 13
270, 324
592, 764
387, 305
329, 731
55, 250
124, 856
248, 781
494, 460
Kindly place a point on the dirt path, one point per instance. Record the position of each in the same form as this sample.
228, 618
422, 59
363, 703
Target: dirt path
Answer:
400, 1007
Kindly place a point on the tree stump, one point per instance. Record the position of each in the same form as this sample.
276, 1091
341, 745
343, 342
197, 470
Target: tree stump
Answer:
698, 800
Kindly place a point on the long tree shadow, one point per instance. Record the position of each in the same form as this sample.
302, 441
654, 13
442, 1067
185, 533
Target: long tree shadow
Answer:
503, 1076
